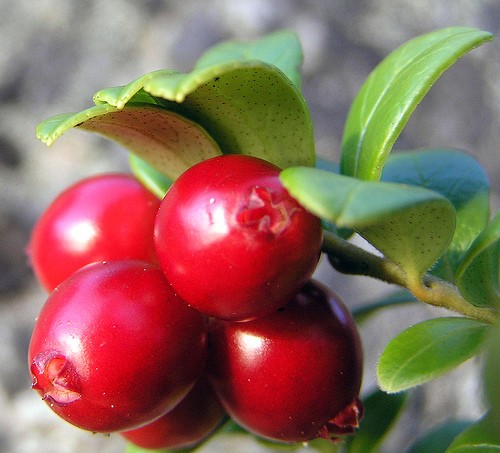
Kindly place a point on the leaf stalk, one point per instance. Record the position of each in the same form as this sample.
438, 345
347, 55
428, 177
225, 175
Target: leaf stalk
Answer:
348, 258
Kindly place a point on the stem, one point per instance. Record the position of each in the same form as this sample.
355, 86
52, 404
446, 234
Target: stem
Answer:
348, 258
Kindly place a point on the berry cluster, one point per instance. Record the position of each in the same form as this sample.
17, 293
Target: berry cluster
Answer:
164, 318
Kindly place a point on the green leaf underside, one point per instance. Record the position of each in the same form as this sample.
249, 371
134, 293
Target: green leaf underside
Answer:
427, 350
391, 93
381, 411
248, 107
121, 95
410, 225
166, 140
481, 437
458, 177
281, 49
478, 275
439, 439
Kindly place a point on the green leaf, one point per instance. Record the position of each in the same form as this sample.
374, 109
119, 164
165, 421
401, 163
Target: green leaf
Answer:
131, 93
478, 275
428, 350
248, 107
410, 225
150, 178
401, 297
281, 49
245, 95
491, 372
167, 141
481, 437
458, 177
439, 439
391, 93
381, 411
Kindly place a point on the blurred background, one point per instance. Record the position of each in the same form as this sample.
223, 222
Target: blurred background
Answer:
55, 54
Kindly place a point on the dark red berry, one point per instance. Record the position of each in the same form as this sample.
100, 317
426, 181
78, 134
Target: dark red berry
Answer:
293, 375
232, 241
114, 348
101, 218
185, 426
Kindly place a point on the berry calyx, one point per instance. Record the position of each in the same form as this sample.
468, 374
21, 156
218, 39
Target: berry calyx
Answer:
55, 378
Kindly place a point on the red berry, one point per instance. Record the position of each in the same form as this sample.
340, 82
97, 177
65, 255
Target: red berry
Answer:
190, 422
232, 241
101, 218
292, 375
114, 348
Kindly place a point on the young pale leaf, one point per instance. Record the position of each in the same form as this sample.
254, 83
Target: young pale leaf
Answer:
410, 225
393, 90
440, 438
281, 49
167, 141
478, 275
481, 437
458, 177
150, 178
381, 411
428, 350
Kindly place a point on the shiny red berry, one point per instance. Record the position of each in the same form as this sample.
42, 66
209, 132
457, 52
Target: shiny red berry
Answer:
114, 348
293, 375
105, 217
185, 426
232, 241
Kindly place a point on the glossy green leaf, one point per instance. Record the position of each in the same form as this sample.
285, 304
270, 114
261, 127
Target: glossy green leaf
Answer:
150, 178
167, 141
428, 350
439, 439
458, 177
401, 297
391, 93
481, 437
491, 372
410, 225
281, 49
478, 275
381, 411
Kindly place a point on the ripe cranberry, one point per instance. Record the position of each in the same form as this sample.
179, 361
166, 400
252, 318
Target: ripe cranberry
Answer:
114, 348
104, 217
189, 423
232, 241
292, 375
